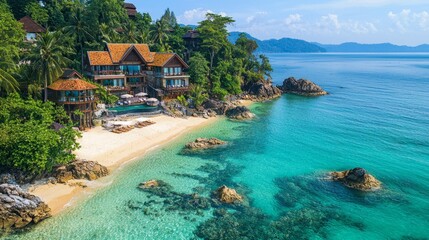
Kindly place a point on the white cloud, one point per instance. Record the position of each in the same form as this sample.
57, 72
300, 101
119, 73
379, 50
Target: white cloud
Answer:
332, 24
196, 15
406, 20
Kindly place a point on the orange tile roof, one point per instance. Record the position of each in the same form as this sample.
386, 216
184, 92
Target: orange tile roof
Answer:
117, 50
145, 52
99, 58
161, 59
71, 85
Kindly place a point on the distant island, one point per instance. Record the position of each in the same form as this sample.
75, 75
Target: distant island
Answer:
290, 45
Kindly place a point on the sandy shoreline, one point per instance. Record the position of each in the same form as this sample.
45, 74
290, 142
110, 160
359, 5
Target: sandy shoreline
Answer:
112, 150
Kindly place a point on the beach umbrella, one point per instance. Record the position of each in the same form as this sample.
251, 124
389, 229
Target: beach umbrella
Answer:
127, 96
141, 94
152, 100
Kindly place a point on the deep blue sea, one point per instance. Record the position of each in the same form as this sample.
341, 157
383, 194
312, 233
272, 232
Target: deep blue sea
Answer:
376, 117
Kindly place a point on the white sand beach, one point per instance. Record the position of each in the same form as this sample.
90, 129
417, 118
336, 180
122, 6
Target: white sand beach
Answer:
112, 150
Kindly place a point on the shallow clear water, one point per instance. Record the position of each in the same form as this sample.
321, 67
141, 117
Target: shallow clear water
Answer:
376, 117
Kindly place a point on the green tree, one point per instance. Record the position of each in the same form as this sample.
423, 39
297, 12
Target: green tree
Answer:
214, 34
182, 100
12, 35
48, 59
199, 70
37, 13
18, 7
27, 140
248, 46
169, 18
265, 66
8, 83
80, 30
160, 36
198, 95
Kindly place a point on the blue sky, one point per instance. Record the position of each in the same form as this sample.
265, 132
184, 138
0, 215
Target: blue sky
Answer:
403, 22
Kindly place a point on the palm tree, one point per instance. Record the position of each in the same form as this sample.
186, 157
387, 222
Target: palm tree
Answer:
109, 35
8, 83
48, 59
159, 34
79, 28
130, 34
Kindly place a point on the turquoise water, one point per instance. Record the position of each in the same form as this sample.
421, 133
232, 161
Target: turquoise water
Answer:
133, 109
376, 117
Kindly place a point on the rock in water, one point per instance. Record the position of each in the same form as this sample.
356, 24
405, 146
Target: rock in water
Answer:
264, 90
302, 87
80, 170
357, 178
204, 143
149, 184
240, 113
228, 195
19, 209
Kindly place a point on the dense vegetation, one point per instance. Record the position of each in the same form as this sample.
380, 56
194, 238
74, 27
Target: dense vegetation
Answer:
217, 67
34, 135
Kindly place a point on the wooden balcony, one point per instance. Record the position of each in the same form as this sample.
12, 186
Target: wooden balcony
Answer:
108, 72
76, 100
117, 89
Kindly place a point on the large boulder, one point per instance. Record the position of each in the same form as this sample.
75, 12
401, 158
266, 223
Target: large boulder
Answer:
302, 87
220, 107
78, 169
264, 90
228, 195
204, 143
357, 178
19, 209
239, 113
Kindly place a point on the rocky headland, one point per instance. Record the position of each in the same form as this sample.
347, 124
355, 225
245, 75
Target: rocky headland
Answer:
357, 178
19, 208
261, 91
204, 143
239, 113
302, 87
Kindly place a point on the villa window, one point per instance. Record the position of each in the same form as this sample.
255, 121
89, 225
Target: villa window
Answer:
131, 69
165, 71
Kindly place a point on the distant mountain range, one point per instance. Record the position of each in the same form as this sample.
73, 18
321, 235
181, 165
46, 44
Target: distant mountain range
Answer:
300, 46
280, 45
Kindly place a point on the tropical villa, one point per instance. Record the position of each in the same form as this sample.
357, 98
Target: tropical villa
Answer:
133, 68
73, 93
131, 10
31, 28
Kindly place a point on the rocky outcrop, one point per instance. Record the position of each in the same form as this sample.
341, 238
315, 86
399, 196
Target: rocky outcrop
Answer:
19, 209
80, 170
228, 195
204, 143
357, 178
149, 184
263, 90
302, 87
239, 113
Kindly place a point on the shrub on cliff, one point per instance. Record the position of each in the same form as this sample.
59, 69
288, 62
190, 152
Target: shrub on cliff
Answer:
34, 136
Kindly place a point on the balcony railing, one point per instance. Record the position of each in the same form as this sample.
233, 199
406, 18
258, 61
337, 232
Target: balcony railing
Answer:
108, 72
77, 100
134, 73
170, 75
117, 88
176, 88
